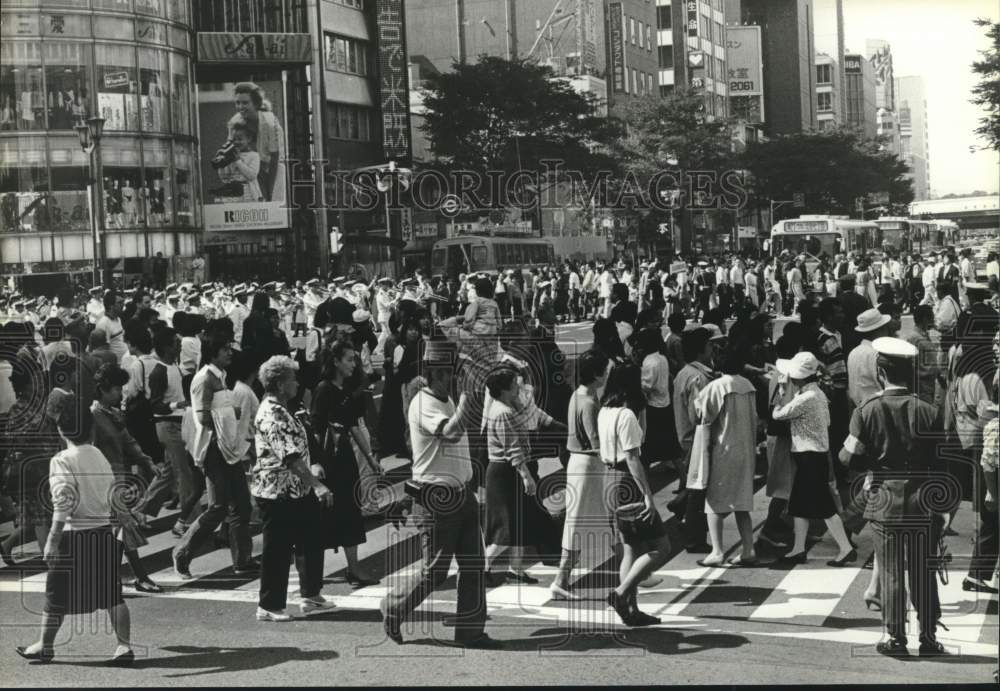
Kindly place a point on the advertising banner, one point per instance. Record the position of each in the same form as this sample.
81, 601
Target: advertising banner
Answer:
393, 86
263, 47
745, 67
852, 64
244, 185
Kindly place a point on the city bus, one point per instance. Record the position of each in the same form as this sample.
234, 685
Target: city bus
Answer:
480, 253
823, 236
896, 233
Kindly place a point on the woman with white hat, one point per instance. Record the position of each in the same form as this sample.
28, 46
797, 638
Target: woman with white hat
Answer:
812, 495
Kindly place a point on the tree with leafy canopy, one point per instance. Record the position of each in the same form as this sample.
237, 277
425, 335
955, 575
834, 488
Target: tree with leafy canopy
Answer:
831, 169
513, 115
671, 135
987, 92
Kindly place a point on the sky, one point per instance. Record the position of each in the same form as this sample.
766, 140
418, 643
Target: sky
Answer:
937, 40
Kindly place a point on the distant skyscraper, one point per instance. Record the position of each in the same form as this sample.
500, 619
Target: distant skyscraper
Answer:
913, 131
886, 118
859, 88
828, 92
789, 52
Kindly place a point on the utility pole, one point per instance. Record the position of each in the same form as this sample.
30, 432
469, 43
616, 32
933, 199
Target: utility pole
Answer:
460, 21
841, 73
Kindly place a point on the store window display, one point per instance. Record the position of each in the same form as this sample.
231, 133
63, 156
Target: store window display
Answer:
156, 172
67, 83
22, 99
24, 185
118, 87
154, 87
181, 110
184, 178
68, 166
122, 174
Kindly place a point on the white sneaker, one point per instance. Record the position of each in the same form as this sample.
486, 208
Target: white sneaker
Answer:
317, 603
267, 615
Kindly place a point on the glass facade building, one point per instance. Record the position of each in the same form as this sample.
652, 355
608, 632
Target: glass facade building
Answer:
130, 62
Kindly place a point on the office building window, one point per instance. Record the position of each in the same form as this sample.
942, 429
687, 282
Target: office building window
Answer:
824, 101
631, 29
346, 54
350, 122
357, 4
666, 56
649, 84
663, 18
641, 33
635, 82
705, 27
666, 90
824, 74
720, 69
649, 38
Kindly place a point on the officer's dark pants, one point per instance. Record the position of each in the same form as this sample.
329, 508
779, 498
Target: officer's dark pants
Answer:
909, 546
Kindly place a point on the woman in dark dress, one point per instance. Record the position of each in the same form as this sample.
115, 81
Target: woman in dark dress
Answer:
335, 414
392, 418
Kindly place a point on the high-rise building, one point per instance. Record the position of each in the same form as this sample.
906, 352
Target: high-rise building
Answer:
913, 131
859, 89
632, 50
788, 52
828, 113
253, 62
886, 117
692, 50
129, 63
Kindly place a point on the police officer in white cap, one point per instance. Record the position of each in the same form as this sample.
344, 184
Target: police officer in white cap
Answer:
893, 434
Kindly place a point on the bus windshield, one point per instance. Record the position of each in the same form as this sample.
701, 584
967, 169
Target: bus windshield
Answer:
816, 244
893, 238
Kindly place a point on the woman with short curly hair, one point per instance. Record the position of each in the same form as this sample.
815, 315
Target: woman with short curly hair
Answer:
286, 492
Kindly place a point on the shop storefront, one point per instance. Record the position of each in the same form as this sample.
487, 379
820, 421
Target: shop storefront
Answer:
129, 63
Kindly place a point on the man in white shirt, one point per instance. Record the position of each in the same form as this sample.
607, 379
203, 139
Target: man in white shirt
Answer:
929, 280
312, 299
445, 507
604, 285
575, 291
225, 477
95, 305
967, 275
111, 324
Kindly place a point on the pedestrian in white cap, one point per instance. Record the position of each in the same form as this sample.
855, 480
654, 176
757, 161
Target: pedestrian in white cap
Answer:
813, 487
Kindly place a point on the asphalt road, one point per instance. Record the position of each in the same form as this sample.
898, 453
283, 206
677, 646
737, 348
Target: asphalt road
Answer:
768, 625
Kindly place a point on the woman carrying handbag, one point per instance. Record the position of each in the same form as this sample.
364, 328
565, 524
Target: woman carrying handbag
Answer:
629, 496
335, 415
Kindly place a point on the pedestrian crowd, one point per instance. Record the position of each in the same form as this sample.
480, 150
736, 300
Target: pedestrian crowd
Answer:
253, 407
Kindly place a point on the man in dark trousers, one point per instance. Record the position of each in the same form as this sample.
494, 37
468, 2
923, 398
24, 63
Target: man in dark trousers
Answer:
895, 434
445, 506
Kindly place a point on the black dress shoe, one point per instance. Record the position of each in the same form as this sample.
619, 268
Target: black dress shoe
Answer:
482, 642
620, 606
850, 558
894, 647
124, 660
932, 648
800, 558
642, 619
494, 579
391, 627
521, 577
39, 656
250, 569
977, 586
359, 582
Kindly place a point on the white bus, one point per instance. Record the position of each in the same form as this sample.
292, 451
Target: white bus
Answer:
479, 253
819, 236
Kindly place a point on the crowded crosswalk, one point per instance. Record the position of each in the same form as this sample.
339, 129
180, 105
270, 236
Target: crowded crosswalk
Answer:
808, 601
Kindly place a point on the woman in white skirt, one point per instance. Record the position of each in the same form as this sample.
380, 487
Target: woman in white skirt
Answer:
586, 527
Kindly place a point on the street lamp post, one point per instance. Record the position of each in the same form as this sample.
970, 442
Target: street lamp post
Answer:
90, 134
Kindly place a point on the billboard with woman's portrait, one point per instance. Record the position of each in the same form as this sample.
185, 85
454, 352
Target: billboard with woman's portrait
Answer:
243, 177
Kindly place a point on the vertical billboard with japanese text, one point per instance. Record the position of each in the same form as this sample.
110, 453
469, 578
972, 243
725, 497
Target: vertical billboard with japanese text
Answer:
244, 182
745, 68
394, 89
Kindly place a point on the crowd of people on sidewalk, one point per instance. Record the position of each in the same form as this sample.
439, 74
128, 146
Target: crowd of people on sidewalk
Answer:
253, 407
